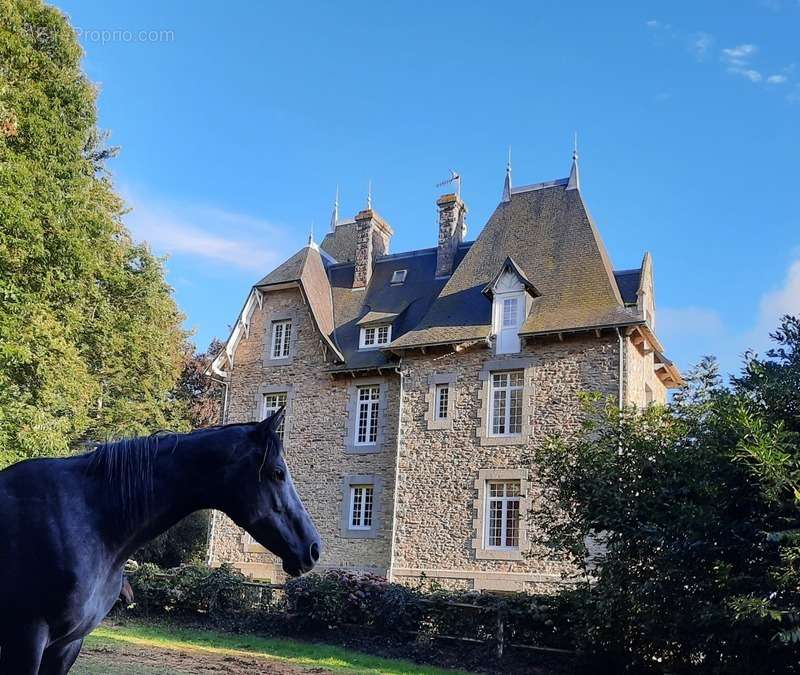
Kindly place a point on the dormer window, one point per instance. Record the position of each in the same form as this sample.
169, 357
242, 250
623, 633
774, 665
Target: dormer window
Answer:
508, 310
373, 337
511, 294
398, 277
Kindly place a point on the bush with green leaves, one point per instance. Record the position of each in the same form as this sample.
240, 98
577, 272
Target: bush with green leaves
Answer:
694, 504
192, 590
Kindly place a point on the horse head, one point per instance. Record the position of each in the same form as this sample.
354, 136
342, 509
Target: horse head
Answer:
263, 499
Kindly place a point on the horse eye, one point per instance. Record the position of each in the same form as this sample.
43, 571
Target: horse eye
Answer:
280, 475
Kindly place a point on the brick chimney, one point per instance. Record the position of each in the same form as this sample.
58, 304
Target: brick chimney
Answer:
373, 234
452, 230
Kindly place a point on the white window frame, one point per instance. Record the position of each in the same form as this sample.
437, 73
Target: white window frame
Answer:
365, 508
439, 409
507, 319
508, 390
267, 410
367, 408
505, 500
280, 344
502, 326
374, 337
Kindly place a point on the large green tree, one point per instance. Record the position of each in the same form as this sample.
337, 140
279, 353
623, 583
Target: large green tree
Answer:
696, 507
90, 337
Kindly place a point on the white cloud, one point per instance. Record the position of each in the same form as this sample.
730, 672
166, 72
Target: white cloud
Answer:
691, 332
776, 79
739, 55
207, 233
653, 23
774, 304
747, 73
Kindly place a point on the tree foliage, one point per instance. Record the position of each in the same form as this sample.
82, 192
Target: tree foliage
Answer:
695, 506
90, 337
185, 542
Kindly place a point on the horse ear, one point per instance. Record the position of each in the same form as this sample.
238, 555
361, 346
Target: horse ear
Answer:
271, 423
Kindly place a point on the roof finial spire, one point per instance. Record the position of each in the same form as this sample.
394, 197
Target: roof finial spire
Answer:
507, 182
335, 214
369, 195
574, 182
311, 235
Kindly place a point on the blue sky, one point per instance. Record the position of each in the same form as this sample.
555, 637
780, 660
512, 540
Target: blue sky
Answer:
237, 121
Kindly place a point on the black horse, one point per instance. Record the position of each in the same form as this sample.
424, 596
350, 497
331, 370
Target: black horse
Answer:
67, 526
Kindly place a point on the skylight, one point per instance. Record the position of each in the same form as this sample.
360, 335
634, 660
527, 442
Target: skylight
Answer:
398, 277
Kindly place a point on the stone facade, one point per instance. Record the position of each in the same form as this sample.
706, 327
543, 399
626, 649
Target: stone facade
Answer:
438, 519
435, 512
315, 441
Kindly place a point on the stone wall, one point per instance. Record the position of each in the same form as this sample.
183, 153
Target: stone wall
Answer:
316, 429
438, 468
639, 374
441, 466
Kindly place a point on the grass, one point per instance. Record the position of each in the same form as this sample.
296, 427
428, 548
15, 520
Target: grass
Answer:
300, 654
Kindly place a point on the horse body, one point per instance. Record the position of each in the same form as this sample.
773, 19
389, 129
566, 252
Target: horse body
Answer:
67, 526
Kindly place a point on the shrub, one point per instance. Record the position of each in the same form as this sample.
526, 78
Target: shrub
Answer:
195, 589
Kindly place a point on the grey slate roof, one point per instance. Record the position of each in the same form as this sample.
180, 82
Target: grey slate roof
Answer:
553, 240
628, 283
341, 243
544, 230
408, 301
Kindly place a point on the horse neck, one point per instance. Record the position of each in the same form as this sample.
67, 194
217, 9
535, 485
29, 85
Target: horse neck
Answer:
188, 474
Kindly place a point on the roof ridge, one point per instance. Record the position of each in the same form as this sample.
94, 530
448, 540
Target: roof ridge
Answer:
540, 186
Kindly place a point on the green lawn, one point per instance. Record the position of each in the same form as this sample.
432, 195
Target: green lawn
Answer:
134, 648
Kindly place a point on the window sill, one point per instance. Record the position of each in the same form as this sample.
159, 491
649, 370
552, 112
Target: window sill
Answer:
371, 533
516, 439
498, 554
283, 361
363, 449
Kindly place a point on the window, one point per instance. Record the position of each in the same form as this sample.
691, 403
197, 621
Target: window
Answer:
375, 336
510, 312
506, 399
502, 514
361, 503
281, 339
648, 394
442, 400
367, 417
272, 402
398, 277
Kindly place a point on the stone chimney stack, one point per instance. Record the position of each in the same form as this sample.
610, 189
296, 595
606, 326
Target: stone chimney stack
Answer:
373, 234
452, 230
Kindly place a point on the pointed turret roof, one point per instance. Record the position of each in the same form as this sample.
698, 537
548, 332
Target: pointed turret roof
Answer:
553, 240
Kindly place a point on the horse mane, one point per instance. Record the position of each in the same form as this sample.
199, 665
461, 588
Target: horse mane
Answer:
127, 465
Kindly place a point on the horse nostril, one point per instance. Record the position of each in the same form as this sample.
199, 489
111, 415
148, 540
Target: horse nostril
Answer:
313, 551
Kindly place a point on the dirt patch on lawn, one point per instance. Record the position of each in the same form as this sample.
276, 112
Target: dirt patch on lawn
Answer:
151, 660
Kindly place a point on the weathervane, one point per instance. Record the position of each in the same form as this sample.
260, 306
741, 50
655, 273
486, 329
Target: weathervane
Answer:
454, 178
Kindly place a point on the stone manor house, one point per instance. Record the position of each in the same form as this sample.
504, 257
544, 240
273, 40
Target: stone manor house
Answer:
417, 382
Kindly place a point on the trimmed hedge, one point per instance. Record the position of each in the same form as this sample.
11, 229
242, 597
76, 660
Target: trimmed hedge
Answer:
338, 599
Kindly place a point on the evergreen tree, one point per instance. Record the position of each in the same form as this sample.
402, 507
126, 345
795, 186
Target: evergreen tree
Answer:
90, 337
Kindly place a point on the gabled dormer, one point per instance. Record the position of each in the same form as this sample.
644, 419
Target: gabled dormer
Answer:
511, 293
